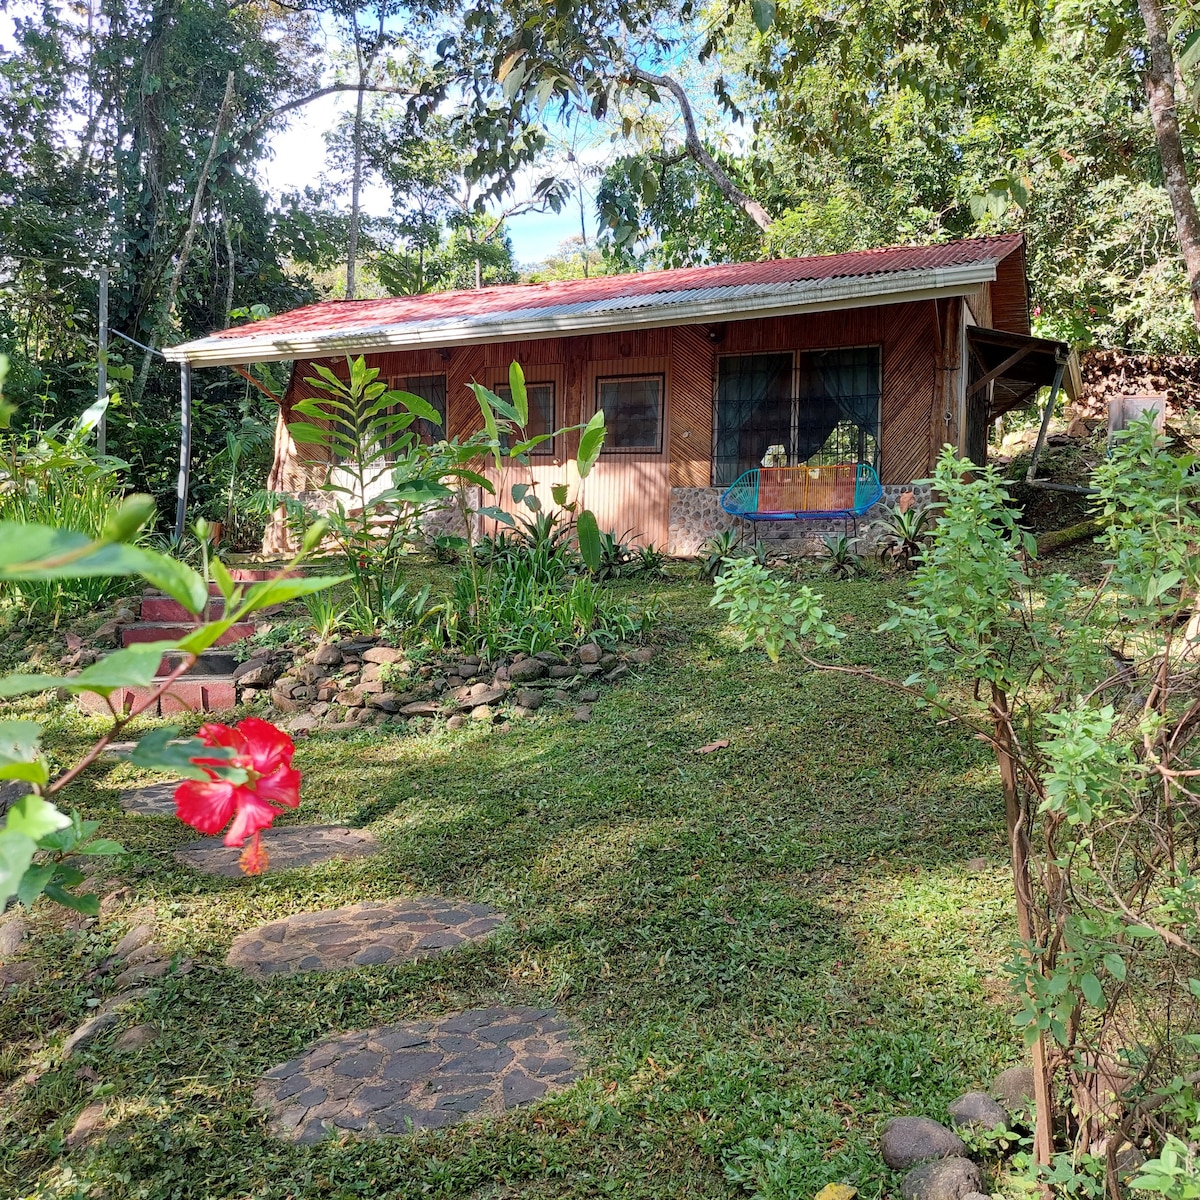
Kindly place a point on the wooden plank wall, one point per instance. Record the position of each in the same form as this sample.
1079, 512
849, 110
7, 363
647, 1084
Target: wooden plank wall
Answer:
632, 491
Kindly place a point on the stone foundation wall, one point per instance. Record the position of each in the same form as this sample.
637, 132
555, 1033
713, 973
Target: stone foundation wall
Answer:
696, 515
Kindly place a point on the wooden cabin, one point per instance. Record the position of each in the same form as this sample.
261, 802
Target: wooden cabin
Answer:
877, 356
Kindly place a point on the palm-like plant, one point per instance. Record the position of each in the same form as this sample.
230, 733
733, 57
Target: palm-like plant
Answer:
906, 532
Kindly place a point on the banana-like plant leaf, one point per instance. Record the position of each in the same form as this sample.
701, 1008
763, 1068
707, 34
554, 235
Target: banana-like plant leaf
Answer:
588, 533
591, 442
520, 396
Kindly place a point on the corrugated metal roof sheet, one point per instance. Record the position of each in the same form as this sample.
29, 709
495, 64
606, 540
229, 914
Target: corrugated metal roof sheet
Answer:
613, 292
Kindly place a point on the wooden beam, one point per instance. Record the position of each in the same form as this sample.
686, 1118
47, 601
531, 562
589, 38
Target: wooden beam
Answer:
996, 372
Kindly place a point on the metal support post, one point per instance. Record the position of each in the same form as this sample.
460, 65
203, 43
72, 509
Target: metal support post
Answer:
185, 447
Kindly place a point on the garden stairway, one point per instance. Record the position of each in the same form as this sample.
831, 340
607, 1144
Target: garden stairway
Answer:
209, 686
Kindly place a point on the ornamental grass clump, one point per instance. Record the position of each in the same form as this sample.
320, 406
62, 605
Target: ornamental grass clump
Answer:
1089, 695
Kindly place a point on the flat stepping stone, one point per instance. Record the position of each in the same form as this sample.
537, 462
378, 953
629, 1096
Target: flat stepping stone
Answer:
292, 846
368, 934
155, 800
398, 1079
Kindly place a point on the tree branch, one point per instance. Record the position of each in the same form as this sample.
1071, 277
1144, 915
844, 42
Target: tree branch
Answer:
256, 127
699, 152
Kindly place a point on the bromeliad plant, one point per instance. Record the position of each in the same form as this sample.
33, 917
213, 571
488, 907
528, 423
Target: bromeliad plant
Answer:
1088, 695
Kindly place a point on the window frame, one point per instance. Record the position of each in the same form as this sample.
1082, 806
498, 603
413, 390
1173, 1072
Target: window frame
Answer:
797, 355
635, 377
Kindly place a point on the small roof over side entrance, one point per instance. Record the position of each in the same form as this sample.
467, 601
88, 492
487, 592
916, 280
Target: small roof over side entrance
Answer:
1017, 365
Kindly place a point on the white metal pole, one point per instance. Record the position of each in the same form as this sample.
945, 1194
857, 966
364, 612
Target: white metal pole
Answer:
102, 366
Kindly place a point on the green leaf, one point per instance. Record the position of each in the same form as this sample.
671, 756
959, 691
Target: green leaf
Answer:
279, 591
135, 666
588, 533
591, 442
485, 398
129, 516
101, 846
1189, 55
20, 752
158, 751
560, 492
16, 853
35, 817
1092, 991
223, 579
177, 579
497, 514
88, 903
1114, 964
520, 397
763, 12
416, 405
33, 882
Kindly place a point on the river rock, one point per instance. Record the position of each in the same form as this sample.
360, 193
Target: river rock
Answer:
530, 698
327, 656
1014, 1088
906, 1141
590, 653
979, 1109
257, 672
527, 670
952, 1178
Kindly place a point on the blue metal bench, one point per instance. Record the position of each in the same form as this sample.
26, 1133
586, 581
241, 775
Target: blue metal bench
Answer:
831, 491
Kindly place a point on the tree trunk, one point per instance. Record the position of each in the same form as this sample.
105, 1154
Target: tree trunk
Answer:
355, 185
1160, 93
1018, 846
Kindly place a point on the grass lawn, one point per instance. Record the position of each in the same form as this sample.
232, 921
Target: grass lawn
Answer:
765, 951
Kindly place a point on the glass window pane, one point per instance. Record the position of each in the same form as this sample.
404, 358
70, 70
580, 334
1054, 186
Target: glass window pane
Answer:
632, 410
431, 389
541, 412
837, 418
754, 412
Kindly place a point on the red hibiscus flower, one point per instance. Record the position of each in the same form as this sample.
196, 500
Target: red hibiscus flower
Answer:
248, 786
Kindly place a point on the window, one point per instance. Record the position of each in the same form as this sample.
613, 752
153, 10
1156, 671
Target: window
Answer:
632, 407
821, 407
432, 389
541, 413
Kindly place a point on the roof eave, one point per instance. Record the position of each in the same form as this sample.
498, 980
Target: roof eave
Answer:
826, 296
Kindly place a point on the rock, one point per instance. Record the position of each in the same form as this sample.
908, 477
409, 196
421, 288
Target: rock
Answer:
952, 1178
502, 675
582, 713
12, 974
12, 934
137, 937
643, 654
562, 672
471, 660
304, 723
370, 687
482, 696
906, 1141
124, 614
349, 699
527, 670
977, 1108
327, 656
483, 713
456, 722
320, 708
608, 659
529, 698
108, 633
617, 673
589, 696
385, 702
87, 1125
379, 654
115, 900
420, 708
91, 1028
561, 696
283, 702
551, 658
591, 669
257, 672
1014, 1089
136, 1038
590, 653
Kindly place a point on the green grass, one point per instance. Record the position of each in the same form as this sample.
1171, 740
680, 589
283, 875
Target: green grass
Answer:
766, 951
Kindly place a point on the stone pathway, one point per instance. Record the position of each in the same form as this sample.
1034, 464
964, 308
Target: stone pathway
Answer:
155, 800
361, 935
401, 1078
291, 846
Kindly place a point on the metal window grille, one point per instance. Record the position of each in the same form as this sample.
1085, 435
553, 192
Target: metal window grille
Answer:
633, 407
431, 389
809, 407
541, 413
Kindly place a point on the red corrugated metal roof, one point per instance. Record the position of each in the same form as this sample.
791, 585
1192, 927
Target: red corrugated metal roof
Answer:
348, 315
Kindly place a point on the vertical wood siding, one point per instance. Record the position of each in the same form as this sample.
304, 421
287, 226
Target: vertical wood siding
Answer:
631, 491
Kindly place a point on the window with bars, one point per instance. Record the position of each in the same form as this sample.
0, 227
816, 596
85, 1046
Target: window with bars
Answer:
541, 413
633, 412
819, 406
431, 389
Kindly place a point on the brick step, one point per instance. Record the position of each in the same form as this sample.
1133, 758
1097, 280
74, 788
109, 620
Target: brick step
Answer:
210, 663
162, 631
158, 608
211, 694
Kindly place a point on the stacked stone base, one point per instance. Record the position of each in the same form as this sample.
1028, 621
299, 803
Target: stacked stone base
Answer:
696, 516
